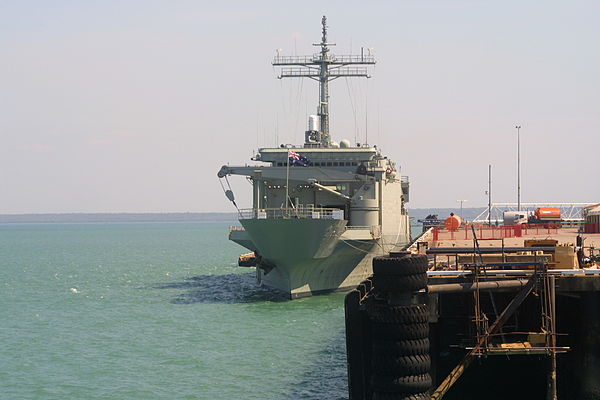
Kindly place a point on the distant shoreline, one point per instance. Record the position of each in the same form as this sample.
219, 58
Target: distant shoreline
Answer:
417, 213
116, 217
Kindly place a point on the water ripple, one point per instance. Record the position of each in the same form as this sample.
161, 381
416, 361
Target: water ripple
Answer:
228, 288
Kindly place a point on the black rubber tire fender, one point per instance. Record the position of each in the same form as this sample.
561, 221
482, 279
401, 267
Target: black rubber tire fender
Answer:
401, 348
397, 266
400, 396
413, 314
412, 384
401, 366
399, 331
405, 283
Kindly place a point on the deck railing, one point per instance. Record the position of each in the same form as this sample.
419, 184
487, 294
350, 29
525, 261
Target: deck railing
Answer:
494, 232
289, 213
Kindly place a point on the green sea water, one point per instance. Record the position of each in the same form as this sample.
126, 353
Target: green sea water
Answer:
155, 311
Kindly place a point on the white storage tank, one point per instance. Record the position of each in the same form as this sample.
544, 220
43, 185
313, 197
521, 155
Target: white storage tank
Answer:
314, 123
364, 207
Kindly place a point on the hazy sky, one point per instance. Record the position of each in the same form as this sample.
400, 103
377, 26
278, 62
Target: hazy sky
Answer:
133, 106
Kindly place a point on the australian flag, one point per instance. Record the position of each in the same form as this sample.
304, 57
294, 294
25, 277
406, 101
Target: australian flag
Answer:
297, 159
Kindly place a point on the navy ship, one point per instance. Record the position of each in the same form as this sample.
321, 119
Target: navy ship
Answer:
321, 210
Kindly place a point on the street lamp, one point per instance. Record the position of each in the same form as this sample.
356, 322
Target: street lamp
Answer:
518, 127
461, 207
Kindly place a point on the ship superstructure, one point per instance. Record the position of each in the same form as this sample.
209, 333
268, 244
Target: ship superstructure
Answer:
321, 211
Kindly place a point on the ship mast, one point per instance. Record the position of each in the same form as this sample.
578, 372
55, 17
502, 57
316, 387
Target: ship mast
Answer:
323, 67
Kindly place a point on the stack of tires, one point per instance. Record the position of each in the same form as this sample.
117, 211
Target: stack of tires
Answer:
399, 330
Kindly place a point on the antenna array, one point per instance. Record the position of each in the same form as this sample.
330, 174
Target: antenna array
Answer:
324, 67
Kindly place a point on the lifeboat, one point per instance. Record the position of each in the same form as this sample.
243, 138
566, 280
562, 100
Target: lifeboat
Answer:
247, 260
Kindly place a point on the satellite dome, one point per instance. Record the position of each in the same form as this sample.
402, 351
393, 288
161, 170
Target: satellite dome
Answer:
344, 144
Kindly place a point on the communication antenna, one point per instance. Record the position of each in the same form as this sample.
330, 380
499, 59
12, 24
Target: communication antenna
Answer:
323, 67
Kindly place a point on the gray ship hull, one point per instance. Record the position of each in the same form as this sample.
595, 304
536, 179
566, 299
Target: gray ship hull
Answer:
343, 270
306, 257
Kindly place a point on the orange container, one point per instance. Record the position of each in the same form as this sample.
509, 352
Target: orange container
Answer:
453, 222
543, 213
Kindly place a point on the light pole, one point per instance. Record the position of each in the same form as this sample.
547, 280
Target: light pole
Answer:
489, 193
461, 207
518, 127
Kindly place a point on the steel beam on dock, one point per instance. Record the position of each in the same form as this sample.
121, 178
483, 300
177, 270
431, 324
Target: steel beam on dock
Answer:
472, 286
552, 392
488, 250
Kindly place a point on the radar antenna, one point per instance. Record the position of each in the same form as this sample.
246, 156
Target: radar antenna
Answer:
324, 67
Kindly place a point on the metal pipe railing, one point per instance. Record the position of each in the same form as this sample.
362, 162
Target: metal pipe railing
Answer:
472, 286
297, 212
